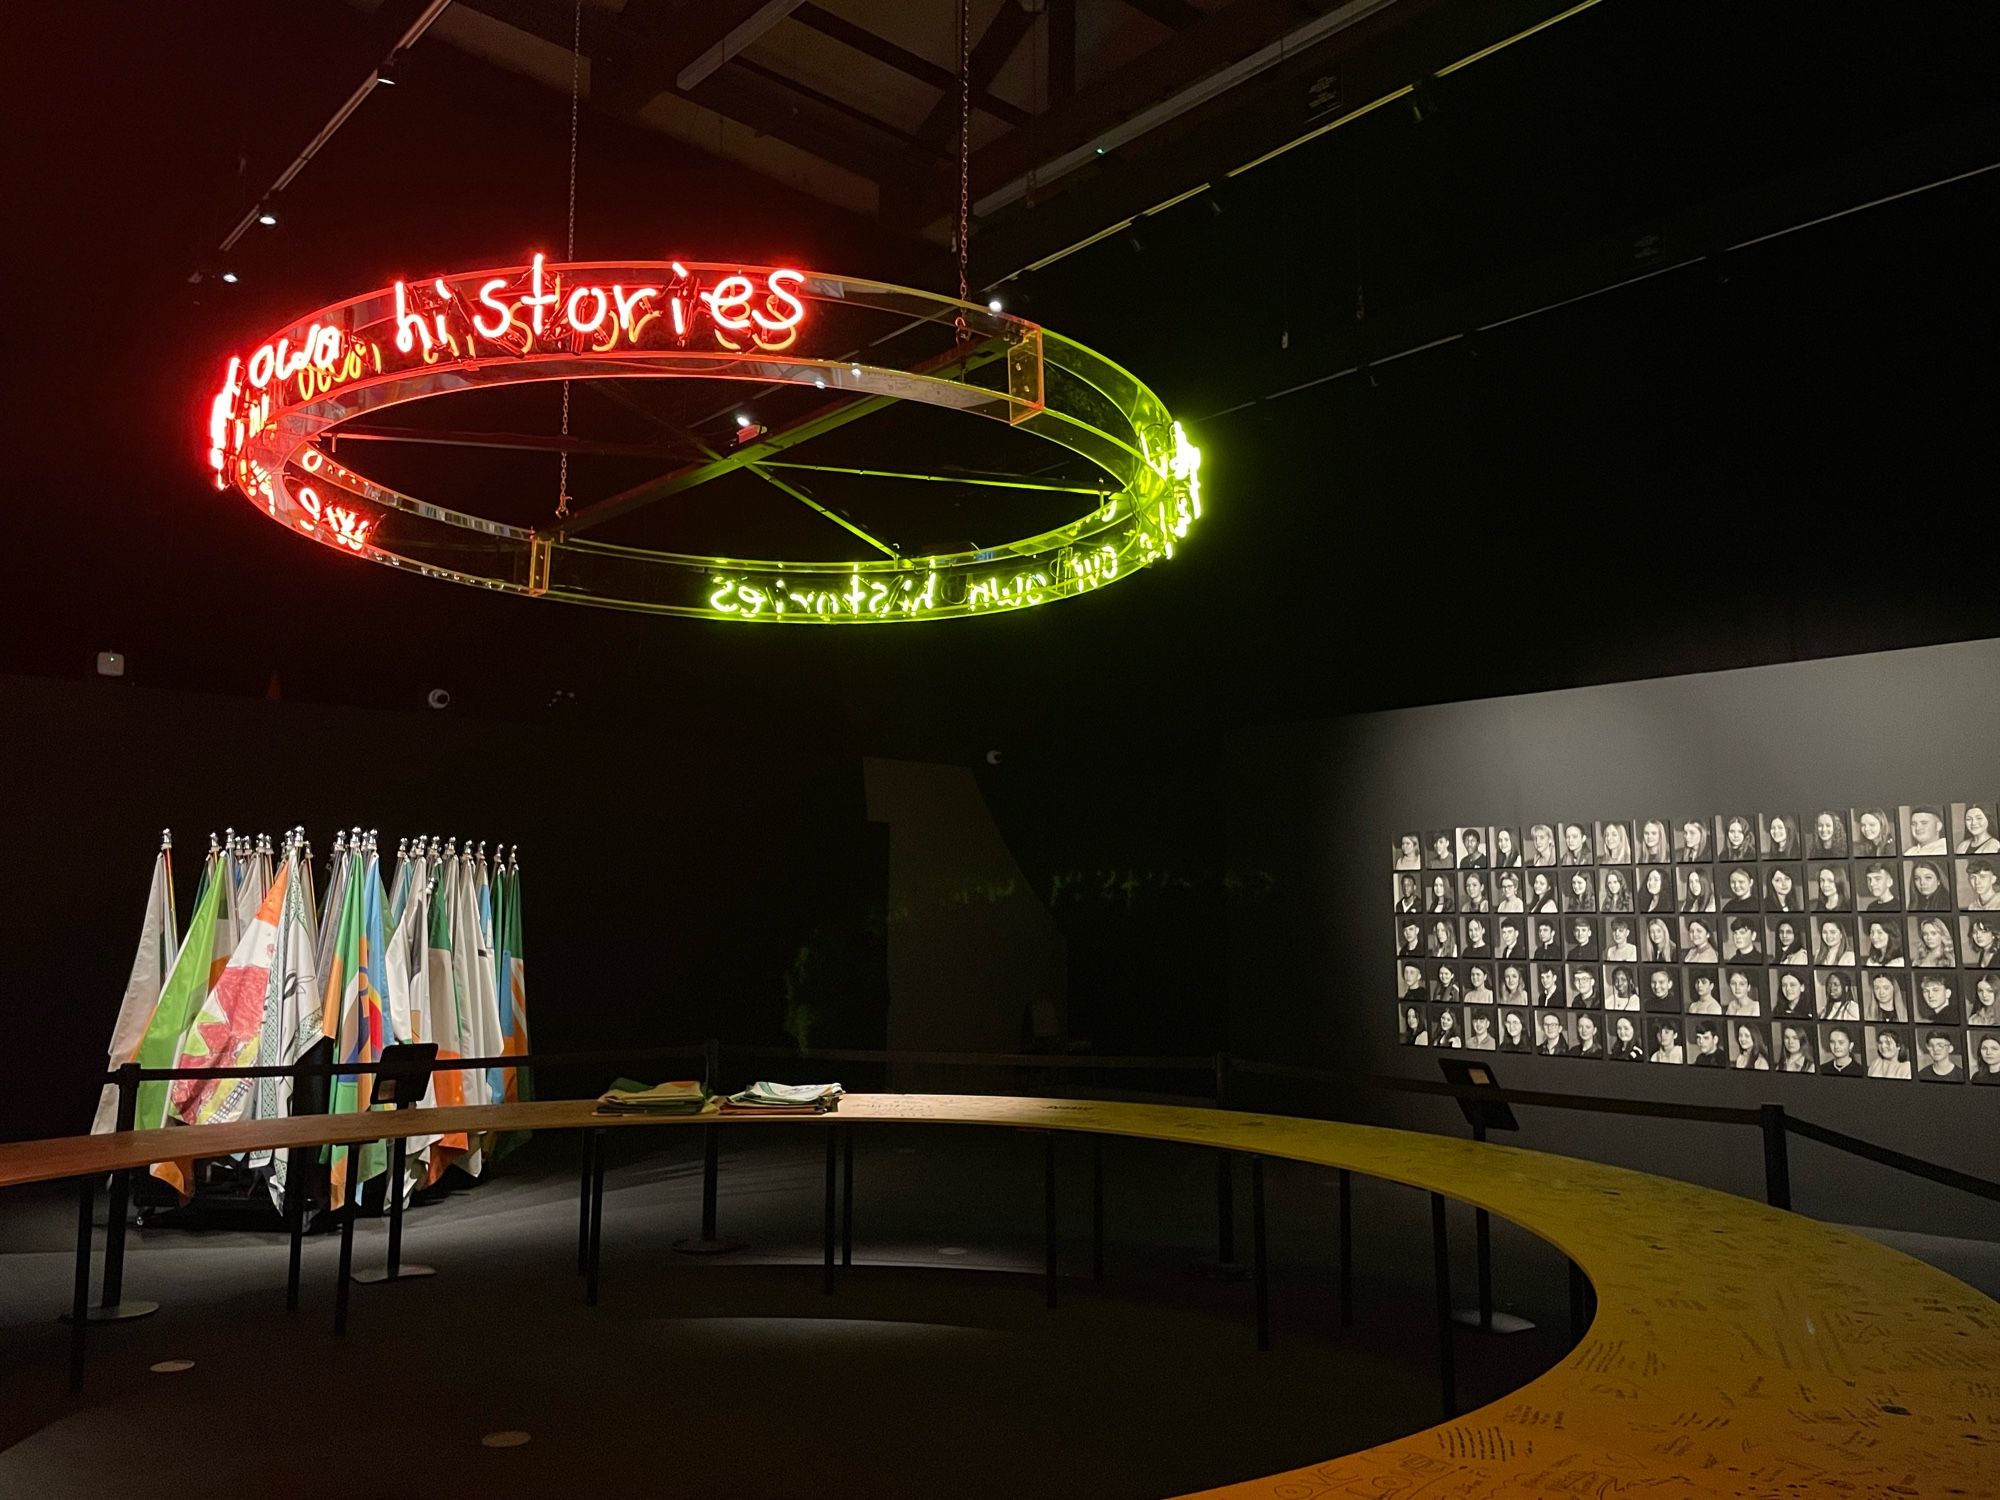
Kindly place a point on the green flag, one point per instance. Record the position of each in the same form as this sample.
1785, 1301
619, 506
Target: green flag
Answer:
180, 998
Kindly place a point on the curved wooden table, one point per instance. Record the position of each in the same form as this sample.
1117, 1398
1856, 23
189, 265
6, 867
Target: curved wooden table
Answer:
1737, 1350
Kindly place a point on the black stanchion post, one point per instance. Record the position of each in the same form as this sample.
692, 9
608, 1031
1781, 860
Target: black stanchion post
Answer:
832, 1164
295, 1221
1049, 1211
1097, 1208
1260, 1275
127, 1082
1346, 1248
847, 1195
79, 1305
589, 1148
597, 1154
1777, 1162
1441, 1258
711, 1167
347, 1213
396, 1154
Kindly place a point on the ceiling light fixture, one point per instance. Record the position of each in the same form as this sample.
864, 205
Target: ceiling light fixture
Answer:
267, 218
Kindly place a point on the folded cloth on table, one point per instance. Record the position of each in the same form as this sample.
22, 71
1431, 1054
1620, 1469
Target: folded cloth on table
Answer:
785, 1098
625, 1097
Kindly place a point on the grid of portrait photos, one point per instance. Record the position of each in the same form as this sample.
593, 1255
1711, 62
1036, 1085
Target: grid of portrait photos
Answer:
1851, 942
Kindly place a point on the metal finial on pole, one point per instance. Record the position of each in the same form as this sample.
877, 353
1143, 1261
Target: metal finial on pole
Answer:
166, 838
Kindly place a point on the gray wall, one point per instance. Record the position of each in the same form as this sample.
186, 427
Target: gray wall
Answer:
1320, 805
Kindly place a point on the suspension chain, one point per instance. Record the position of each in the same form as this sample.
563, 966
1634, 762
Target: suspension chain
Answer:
964, 156
575, 94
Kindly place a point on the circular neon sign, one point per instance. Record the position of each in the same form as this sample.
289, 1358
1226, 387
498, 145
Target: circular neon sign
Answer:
273, 421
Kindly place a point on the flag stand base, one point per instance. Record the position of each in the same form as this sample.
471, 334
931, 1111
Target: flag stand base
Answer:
1502, 1322
123, 1312
706, 1247
402, 1273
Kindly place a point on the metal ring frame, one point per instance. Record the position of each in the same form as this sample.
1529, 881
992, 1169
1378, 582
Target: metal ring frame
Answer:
271, 422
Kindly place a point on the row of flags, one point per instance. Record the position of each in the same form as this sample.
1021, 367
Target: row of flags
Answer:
271, 972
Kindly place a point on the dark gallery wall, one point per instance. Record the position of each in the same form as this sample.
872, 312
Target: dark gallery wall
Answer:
1319, 805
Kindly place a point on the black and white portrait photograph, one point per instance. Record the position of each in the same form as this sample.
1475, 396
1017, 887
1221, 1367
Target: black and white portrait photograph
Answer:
1665, 1040
1697, 888
1440, 891
1540, 851
1663, 988
1985, 1057
1509, 891
1704, 990
1743, 940
1475, 891
1791, 994
1510, 939
1506, 849
1979, 940
1441, 938
1481, 1034
1479, 982
1779, 837
1888, 1051
1705, 1049
1786, 940
1936, 1002
1834, 941
1621, 987
1579, 890
1510, 981
1784, 887
1927, 884
1614, 844
1473, 853
1620, 939
1653, 889
1837, 996
1830, 886
1736, 837
1442, 976
1577, 845
1922, 828
1694, 841
1545, 937
1580, 939
1614, 888
1408, 893
1742, 991
1975, 828
1555, 1036
1840, 1051
1412, 1026
1933, 944
1748, 1050
1409, 851
1515, 1033
1874, 834
1476, 937
1584, 992
1698, 945
1739, 888
1881, 886
1588, 1029
1625, 1040
1826, 832
1547, 981
1410, 983
1440, 853
1792, 1042
1882, 942
1943, 1057
1543, 894
1447, 1027
1979, 883
1883, 998
1654, 844
1659, 940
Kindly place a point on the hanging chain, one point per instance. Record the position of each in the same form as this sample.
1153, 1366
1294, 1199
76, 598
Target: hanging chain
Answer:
964, 155
575, 92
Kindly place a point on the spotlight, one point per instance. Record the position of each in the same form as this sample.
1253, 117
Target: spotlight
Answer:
1100, 150
993, 304
230, 277
742, 419
855, 369
267, 218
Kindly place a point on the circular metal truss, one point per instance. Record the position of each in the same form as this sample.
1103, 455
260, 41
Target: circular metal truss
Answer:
274, 422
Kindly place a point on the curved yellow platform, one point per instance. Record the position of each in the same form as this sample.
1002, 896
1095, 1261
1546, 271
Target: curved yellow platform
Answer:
1737, 1350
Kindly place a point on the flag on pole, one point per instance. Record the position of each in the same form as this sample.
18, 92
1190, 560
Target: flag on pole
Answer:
291, 1012
351, 1011
180, 998
406, 993
449, 1017
228, 1030
159, 940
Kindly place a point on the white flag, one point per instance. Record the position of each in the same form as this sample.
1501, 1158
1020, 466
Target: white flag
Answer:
159, 938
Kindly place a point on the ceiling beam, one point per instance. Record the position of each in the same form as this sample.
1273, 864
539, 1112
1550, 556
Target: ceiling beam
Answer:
1175, 15
686, 47
776, 110
921, 68
1062, 50
1009, 26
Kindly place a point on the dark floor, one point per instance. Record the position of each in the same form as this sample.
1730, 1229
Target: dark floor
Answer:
935, 1357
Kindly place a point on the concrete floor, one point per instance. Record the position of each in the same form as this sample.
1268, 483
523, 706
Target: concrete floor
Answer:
935, 1357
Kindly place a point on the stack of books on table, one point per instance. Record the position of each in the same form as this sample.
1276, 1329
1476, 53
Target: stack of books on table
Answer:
625, 1097
784, 1099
